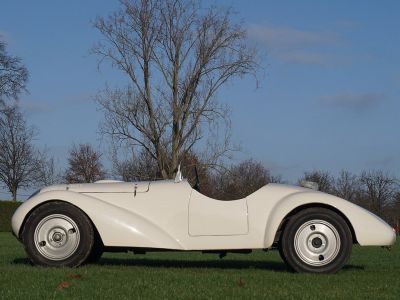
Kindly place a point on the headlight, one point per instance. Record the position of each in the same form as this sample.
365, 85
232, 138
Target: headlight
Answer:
309, 185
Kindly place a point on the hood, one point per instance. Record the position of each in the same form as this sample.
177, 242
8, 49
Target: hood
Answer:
102, 187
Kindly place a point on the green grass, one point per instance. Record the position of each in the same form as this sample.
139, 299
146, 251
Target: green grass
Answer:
371, 273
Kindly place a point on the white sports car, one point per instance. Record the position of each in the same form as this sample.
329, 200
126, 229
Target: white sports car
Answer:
68, 225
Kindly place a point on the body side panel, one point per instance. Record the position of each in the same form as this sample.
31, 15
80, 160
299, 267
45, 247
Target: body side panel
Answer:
165, 206
208, 216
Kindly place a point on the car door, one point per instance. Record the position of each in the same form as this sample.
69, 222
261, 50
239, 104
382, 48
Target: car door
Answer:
209, 216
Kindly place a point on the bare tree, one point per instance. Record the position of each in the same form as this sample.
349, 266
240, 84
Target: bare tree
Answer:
324, 179
175, 56
13, 76
378, 190
243, 179
84, 165
18, 158
395, 212
347, 186
137, 167
48, 174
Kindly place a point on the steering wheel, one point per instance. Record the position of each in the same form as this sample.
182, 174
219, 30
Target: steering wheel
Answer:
197, 183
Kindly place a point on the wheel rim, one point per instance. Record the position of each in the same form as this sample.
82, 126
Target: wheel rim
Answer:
317, 242
57, 237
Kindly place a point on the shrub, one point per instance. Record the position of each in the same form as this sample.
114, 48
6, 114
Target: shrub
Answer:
7, 209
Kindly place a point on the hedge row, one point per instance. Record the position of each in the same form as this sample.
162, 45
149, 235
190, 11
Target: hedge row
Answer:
7, 209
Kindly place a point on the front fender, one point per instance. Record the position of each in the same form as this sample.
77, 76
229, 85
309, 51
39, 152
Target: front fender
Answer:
115, 225
369, 229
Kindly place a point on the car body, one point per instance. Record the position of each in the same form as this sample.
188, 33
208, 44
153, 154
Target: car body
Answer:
170, 214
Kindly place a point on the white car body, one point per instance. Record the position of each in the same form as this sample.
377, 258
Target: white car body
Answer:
172, 215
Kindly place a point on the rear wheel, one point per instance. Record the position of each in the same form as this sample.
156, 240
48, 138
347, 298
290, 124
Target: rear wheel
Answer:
58, 234
316, 240
282, 255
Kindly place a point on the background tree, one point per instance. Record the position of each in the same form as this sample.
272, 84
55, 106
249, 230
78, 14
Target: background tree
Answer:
243, 179
18, 158
347, 186
136, 168
324, 179
394, 216
84, 165
175, 56
378, 191
13, 76
48, 174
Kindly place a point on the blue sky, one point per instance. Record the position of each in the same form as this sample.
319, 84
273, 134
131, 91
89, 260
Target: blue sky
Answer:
329, 98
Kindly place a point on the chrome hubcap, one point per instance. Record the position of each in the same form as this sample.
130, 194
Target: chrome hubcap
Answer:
317, 242
57, 237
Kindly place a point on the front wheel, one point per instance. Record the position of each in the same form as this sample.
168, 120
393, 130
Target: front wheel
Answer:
97, 250
316, 240
58, 234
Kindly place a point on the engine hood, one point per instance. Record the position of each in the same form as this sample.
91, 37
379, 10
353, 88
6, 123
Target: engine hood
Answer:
102, 187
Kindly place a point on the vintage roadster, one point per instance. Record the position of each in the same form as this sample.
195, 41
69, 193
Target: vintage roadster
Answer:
72, 224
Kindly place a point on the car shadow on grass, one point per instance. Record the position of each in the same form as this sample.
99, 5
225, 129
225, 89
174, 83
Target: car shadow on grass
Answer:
217, 264
170, 263
196, 264
353, 267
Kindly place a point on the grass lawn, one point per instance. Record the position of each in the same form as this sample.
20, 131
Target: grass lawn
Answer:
371, 273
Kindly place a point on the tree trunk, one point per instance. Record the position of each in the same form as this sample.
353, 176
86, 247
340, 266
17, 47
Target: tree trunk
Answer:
14, 194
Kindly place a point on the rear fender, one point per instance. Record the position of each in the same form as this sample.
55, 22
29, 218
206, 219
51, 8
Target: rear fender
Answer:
369, 229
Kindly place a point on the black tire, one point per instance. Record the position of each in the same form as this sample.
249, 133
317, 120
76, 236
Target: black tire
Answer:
94, 256
97, 250
282, 255
67, 234
305, 247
